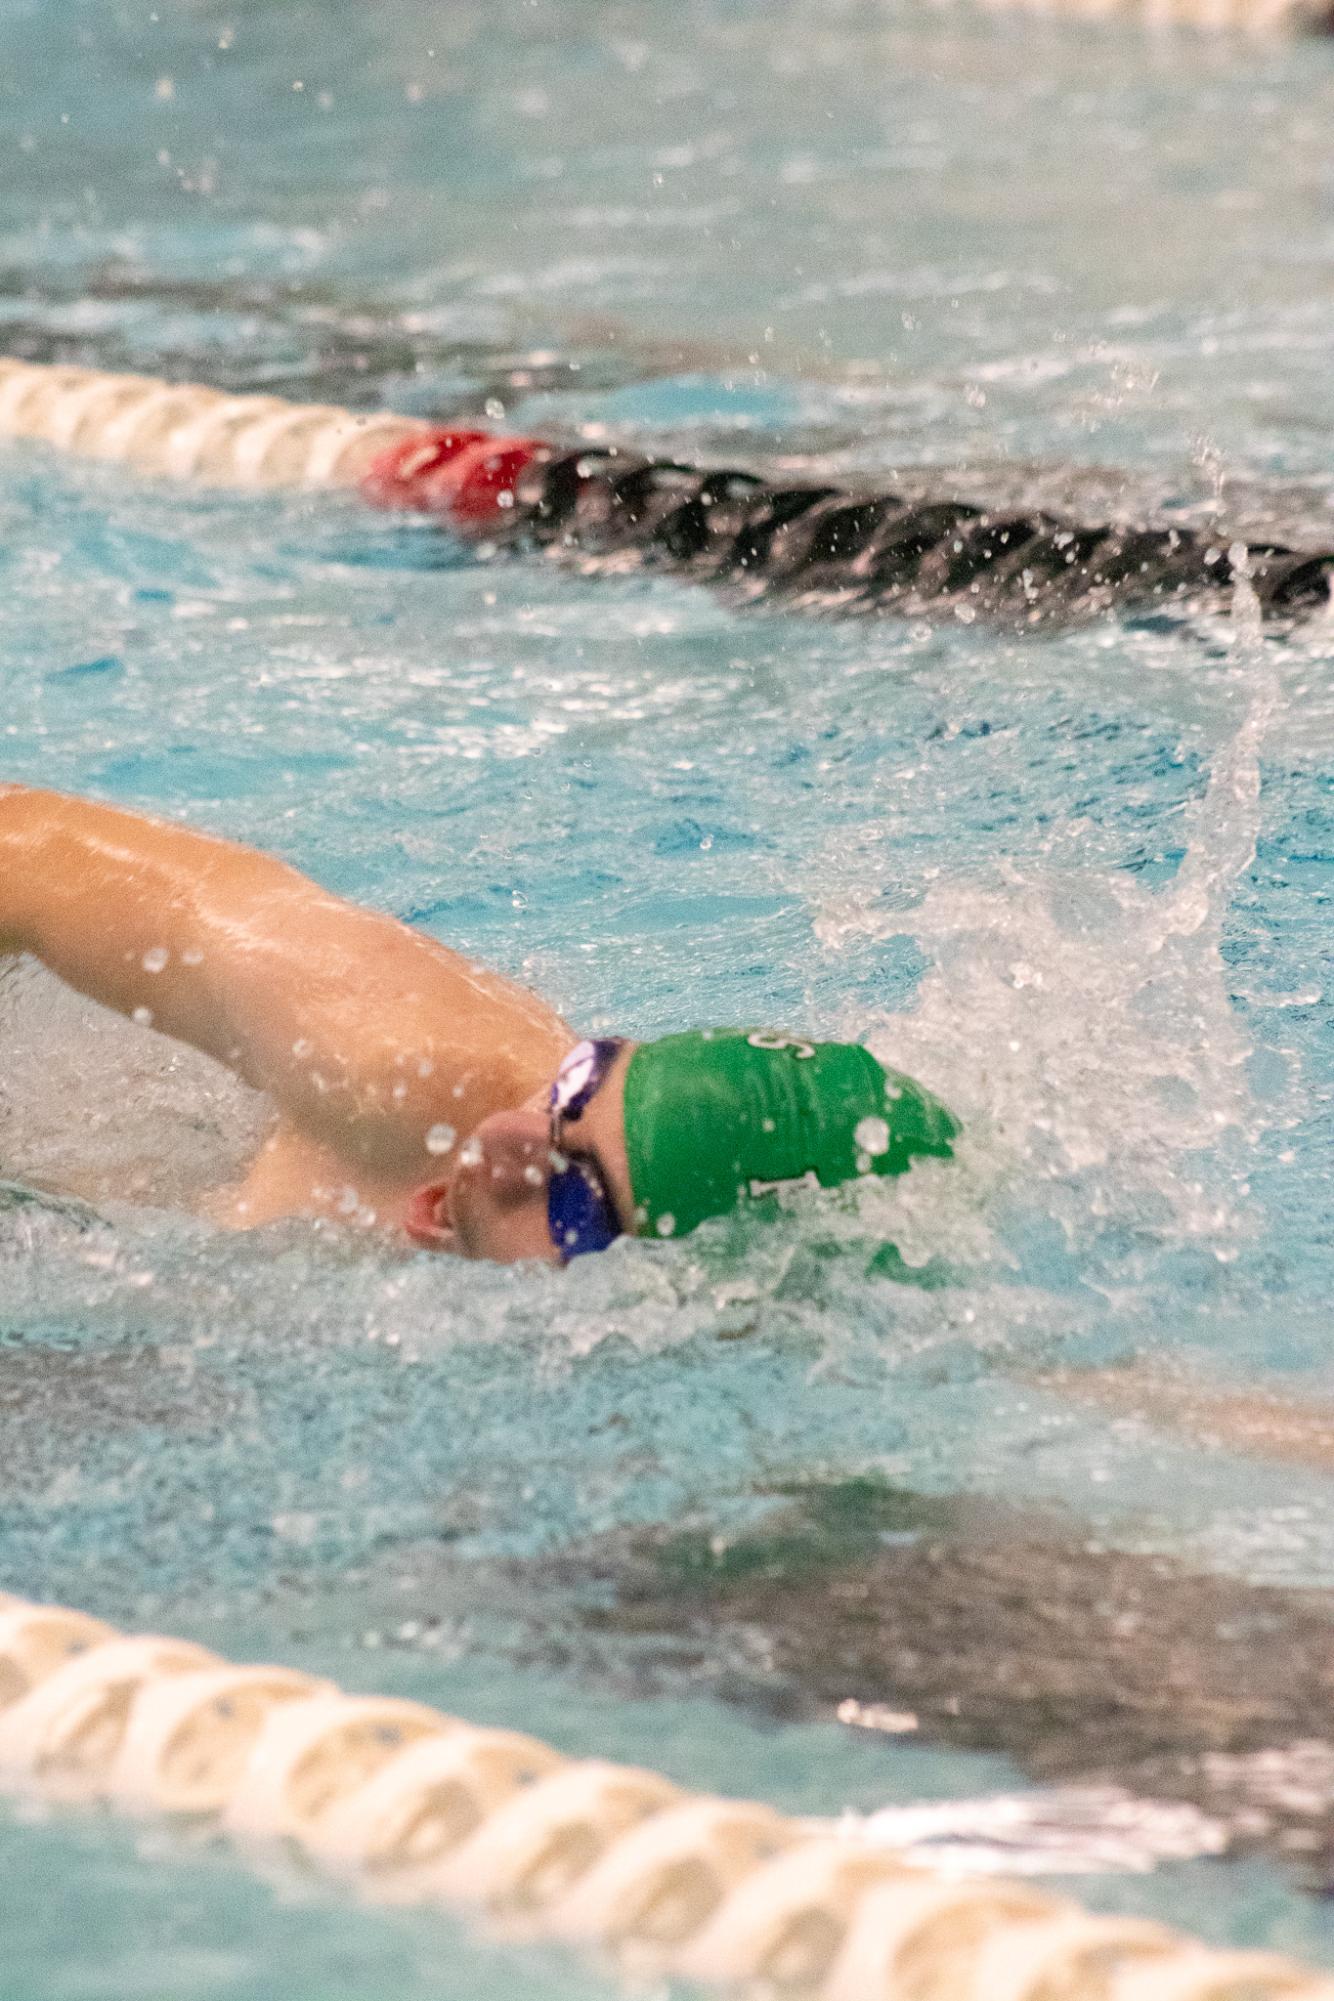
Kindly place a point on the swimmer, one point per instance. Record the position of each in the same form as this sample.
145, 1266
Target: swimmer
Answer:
415, 1091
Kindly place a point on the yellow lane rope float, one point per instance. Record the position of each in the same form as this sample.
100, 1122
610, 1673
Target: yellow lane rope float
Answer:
827, 547
418, 1806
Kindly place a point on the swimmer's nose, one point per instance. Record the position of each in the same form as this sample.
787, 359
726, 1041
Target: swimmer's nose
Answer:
508, 1156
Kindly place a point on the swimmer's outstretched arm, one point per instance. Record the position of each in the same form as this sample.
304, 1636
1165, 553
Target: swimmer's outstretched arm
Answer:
364, 1032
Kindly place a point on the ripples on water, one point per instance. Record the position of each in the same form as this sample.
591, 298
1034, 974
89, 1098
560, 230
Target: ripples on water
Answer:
1080, 885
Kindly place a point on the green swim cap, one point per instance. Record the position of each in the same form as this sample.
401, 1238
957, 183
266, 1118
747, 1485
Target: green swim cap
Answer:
717, 1116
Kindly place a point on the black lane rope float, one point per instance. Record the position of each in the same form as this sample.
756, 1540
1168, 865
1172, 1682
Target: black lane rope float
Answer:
820, 546
847, 551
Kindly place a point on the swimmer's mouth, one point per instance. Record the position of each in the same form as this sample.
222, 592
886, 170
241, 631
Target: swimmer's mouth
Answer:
428, 1218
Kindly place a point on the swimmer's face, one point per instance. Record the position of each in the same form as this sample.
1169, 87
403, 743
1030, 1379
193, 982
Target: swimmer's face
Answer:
493, 1204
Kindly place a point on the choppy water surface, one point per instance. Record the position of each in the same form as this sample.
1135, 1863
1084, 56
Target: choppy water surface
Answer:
1080, 885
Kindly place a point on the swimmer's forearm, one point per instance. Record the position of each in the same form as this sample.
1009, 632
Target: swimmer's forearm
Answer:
115, 903
209, 942
359, 1028
13, 936
26, 814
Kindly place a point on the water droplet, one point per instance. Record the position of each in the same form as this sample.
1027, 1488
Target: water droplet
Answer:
156, 959
440, 1138
666, 1224
143, 1016
872, 1136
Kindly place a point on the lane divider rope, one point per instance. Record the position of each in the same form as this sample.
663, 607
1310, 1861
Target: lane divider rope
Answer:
823, 546
417, 1806
1245, 17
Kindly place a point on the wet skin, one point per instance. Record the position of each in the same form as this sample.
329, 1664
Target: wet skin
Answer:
494, 1202
409, 1086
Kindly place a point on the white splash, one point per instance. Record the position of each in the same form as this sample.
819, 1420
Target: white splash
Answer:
1081, 1024
98, 1107
1068, 1831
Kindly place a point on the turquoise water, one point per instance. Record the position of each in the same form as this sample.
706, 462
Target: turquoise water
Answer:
1082, 886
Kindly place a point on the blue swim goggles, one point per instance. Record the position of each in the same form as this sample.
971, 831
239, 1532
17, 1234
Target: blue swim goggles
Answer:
581, 1214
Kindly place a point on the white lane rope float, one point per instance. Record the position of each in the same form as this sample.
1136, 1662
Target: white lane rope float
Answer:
1259, 18
829, 548
415, 1806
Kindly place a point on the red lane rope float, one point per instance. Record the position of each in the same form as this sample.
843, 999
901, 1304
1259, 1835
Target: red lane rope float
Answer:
467, 475
828, 547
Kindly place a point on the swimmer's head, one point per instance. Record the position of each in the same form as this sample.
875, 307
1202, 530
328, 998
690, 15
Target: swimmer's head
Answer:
653, 1138
547, 1180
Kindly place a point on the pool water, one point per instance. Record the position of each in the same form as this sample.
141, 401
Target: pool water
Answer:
1080, 885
